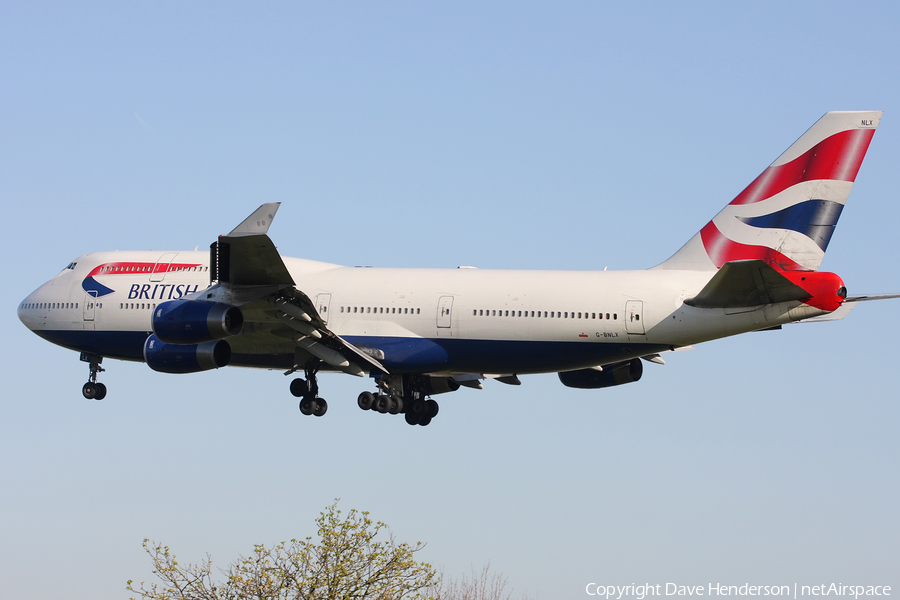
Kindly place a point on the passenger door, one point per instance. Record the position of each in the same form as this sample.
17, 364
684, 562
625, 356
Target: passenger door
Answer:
162, 266
322, 303
90, 299
634, 321
445, 311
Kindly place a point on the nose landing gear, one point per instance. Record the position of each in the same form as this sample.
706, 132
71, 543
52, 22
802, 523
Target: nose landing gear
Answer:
93, 390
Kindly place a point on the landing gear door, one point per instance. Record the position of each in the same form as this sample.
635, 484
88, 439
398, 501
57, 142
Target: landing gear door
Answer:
634, 319
445, 308
90, 299
322, 303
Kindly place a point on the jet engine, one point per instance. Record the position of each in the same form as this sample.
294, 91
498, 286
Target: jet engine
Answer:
185, 358
194, 322
614, 374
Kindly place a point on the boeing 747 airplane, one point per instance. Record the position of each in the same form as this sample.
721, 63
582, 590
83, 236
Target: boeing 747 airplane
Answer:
422, 332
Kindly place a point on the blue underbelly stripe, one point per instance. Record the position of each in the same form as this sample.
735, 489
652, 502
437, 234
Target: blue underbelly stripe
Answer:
402, 355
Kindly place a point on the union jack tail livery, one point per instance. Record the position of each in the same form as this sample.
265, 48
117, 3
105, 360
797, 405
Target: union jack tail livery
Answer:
787, 215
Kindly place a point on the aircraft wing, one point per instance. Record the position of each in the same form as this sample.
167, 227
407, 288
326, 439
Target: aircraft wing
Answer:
746, 283
250, 274
247, 256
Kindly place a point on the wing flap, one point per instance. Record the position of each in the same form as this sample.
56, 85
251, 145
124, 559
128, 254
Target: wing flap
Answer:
316, 330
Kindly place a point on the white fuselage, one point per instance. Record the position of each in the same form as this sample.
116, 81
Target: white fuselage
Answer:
450, 321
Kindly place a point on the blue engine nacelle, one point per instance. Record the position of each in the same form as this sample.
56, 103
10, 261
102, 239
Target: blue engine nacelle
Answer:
185, 358
615, 374
194, 322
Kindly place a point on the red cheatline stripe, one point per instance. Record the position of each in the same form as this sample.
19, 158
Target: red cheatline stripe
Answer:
837, 157
722, 250
128, 268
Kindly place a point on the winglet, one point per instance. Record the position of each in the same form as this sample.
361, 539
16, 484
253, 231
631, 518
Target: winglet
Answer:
257, 223
247, 256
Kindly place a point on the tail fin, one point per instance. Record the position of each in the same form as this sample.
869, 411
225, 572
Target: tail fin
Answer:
787, 215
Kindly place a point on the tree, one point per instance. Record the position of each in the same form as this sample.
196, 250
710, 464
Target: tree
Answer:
346, 562
481, 585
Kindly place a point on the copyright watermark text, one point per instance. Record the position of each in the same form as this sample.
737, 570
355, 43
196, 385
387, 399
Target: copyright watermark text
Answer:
642, 591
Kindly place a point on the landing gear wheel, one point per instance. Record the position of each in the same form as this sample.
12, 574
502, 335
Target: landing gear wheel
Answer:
383, 404
395, 406
417, 408
93, 389
424, 421
401, 405
89, 390
321, 407
308, 406
431, 408
366, 400
299, 387
411, 418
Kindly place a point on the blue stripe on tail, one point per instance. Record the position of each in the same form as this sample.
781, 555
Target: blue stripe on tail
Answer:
816, 219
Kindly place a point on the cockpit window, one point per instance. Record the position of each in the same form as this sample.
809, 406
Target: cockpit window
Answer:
71, 266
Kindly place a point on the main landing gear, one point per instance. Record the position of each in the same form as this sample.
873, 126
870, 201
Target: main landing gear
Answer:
397, 394
413, 404
308, 390
93, 389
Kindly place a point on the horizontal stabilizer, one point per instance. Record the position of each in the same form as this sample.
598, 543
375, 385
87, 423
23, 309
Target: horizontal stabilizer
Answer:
836, 315
746, 283
848, 305
867, 297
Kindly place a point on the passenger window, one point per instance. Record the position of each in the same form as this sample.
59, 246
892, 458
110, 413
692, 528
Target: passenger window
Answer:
637, 317
418, 311
615, 316
607, 316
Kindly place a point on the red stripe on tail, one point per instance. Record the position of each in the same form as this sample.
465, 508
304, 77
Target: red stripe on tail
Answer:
837, 157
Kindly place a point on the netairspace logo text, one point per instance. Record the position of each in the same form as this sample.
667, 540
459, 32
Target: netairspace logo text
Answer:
640, 592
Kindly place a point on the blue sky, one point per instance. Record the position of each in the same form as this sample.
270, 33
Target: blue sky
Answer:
502, 135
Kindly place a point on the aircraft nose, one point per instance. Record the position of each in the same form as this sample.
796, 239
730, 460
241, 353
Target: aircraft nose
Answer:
24, 310
30, 309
